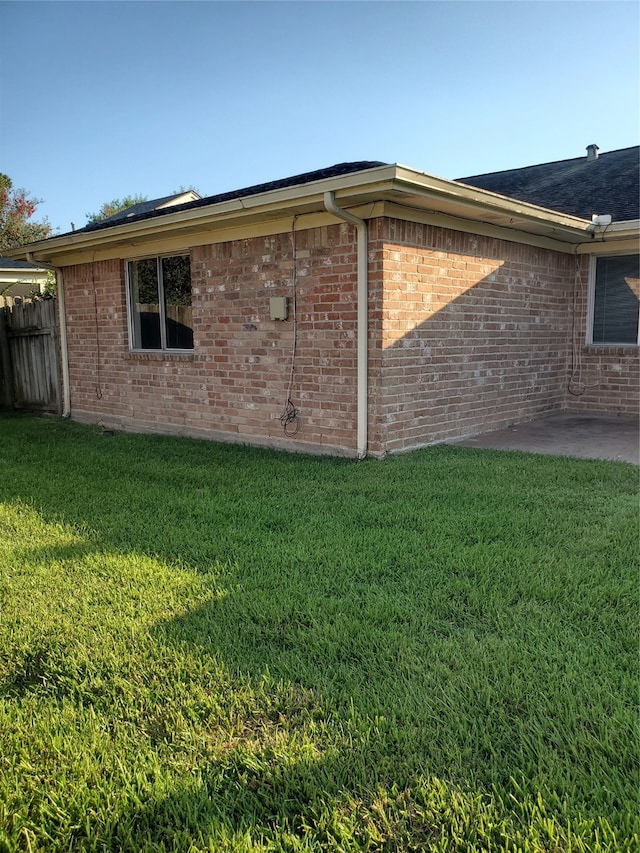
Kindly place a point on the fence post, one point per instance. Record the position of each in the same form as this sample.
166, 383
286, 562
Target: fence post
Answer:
6, 374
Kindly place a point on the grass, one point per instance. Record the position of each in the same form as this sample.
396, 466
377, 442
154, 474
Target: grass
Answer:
207, 647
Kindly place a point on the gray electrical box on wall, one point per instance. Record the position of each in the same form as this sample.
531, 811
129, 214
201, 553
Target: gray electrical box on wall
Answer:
278, 307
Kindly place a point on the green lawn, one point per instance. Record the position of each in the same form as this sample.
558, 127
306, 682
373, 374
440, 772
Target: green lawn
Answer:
208, 647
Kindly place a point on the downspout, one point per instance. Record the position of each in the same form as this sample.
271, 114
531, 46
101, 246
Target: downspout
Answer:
362, 328
64, 355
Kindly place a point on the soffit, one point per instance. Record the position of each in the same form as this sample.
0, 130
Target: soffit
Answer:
261, 213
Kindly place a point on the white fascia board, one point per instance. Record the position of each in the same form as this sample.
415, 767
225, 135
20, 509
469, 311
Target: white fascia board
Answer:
377, 183
615, 239
17, 276
273, 201
490, 201
627, 226
182, 198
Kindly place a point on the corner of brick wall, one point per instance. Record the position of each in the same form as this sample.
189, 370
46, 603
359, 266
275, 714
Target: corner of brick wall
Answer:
474, 333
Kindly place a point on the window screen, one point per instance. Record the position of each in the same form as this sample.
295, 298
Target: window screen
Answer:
616, 300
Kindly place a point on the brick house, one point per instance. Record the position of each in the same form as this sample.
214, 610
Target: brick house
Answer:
362, 309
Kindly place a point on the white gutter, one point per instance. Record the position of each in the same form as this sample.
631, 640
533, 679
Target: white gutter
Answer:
362, 332
616, 238
62, 322
393, 183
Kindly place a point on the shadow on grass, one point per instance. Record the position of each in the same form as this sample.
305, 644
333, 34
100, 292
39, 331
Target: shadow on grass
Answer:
381, 630
329, 715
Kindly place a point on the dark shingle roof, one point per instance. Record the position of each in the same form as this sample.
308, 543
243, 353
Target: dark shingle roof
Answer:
295, 180
610, 184
10, 264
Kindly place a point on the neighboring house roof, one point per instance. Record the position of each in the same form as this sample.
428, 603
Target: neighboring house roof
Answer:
296, 180
606, 183
143, 207
19, 278
11, 264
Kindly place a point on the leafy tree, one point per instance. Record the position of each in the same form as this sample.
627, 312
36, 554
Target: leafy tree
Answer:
183, 189
109, 208
16, 210
50, 288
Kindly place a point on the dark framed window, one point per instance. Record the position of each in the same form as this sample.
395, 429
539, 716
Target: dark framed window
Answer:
160, 313
616, 300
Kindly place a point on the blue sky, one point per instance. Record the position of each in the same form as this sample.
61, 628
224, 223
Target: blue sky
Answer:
103, 99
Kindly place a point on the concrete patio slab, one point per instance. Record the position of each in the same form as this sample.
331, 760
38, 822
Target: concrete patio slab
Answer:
585, 436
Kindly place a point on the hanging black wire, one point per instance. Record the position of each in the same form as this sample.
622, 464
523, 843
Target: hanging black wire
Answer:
289, 418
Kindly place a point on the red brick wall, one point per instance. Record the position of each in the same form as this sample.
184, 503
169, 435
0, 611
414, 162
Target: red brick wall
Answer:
97, 337
474, 333
602, 378
234, 385
466, 334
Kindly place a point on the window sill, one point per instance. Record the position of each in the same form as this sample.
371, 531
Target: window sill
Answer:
159, 355
611, 349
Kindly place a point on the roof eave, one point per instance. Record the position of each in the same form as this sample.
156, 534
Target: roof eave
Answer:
381, 183
493, 208
620, 229
618, 238
301, 196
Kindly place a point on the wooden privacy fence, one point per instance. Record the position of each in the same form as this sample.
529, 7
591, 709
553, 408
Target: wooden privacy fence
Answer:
30, 357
